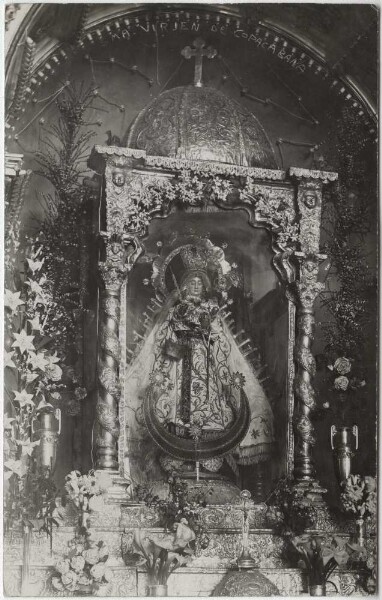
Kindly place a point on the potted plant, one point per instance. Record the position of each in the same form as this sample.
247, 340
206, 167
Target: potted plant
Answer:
320, 556
162, 557
177, 507
289, 511
359, 497
86, 492
84, 571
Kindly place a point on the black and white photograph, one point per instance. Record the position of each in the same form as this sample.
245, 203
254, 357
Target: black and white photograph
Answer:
191, 309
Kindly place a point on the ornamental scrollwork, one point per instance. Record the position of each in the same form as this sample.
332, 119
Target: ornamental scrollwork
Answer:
305, 358
309, 204
275, 208
110, 343
107, 417
305, 393
306, 324
248, 584
109, 380
323, 176
134, 198
304, 427
111, 307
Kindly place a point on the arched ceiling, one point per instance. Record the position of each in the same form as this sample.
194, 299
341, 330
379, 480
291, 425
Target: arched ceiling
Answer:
343, 37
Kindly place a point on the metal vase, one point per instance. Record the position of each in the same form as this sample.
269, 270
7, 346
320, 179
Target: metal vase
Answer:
344, 443
158, 590
48, 428
360, 525
317, 590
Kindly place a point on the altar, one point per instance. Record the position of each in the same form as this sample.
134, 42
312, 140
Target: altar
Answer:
182, 387
193, 348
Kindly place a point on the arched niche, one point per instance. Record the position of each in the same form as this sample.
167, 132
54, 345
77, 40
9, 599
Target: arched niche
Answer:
139, 188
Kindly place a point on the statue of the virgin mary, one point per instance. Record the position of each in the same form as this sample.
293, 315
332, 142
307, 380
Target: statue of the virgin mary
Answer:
192, 396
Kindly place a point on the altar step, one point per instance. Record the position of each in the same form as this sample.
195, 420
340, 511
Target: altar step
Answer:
199, 578
198, 582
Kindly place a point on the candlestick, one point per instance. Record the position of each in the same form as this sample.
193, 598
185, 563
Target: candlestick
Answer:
245, 561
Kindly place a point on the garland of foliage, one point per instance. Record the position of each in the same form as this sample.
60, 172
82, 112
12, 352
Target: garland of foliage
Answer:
350, 305
61, 163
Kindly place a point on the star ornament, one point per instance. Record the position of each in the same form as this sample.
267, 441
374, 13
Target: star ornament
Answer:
23, 398
23, 341
12, 300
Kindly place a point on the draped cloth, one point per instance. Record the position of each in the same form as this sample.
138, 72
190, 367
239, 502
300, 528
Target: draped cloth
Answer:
198, 389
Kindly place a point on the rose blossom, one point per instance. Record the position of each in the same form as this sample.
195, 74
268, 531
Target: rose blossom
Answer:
91, 556
63, 566
77, 563
57, 583
341, 383
54, 372
97, 571
370, 483
69, 580
342, 365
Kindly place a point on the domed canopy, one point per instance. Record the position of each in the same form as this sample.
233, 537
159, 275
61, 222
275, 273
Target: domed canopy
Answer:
201, 124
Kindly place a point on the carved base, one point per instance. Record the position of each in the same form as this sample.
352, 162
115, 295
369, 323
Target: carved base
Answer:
313, 491
119, 492
245, 561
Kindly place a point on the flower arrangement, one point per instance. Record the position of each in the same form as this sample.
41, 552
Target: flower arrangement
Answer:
289, 510
345, 380
349, 300
63, 231
320, 556
32, 386
178, 507
84, 569
359, 496
164, 556
86, 492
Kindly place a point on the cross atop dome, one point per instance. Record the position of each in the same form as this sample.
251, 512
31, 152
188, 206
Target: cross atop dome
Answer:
198, 50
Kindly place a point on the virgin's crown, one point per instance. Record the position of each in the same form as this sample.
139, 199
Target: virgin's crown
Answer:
194, 259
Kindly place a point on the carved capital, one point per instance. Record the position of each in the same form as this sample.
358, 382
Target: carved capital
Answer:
307, 293
122, 252
112, 276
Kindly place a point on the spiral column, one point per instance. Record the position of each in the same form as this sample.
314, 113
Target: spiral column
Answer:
304, 292
107, 421
121, 254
